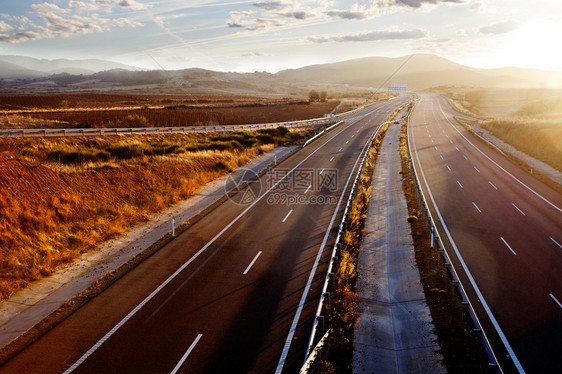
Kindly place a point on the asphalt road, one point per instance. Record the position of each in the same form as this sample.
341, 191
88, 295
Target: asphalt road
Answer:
503, 229
237, 292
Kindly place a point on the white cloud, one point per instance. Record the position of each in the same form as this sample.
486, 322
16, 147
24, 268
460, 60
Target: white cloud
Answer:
371, 36
78, 18
4, 27
499, 27
132, 4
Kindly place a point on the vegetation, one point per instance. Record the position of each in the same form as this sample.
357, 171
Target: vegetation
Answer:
60, 197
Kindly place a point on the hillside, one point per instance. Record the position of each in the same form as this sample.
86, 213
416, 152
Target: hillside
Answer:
420, 71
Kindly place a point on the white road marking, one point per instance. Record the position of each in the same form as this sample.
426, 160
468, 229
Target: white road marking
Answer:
485, 305
466, 158
252, 263
321, 171
475, 168
450, 141
508, 246
308, 188
558, 244
432, 141
476, 206
500, 167
555, 299
460, 184
178, 366
435, 147
516, 207
340, 149
448, 168
287, 216
441, 157
457, 148
429, 134
447, 136
347, 142
293, 328
495, 188
332, 159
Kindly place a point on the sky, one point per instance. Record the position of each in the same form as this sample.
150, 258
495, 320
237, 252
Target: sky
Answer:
256, 35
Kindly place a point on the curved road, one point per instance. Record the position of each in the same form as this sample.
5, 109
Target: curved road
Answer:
235, 293
503, 229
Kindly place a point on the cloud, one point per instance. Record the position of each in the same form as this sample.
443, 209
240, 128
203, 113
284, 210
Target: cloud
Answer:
420, 3
132, 4
371, 36
54, 21
499, 27
4, 27
271, 5
346, 14
255, 55
460, 32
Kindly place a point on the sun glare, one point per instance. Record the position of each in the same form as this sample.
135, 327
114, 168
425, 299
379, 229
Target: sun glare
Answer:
535, 45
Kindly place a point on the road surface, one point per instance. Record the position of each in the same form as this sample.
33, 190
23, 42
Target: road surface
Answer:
503, 229
235, 293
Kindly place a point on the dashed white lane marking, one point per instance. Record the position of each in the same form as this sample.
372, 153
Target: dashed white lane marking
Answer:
429, 134
287, 216
516, 207
332, 159
457, 148
466, 158
432, 141
459, 183
448, 168
184, 357
476, 206
321, 171
556, 300
555, 242
435, 147
347, 142
308, 188
252, 263
340, 149
441, 157
475, 168
450, 141
491, 184
508, 246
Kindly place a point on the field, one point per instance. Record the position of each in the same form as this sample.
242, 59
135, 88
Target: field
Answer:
113, 110
60, 197
528, 119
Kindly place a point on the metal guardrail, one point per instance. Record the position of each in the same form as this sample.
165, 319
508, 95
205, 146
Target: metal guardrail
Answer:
319, 325
457, 284
170, 130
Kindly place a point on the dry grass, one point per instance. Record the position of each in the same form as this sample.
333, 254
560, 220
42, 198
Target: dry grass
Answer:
539, 138
51, 211
344, 301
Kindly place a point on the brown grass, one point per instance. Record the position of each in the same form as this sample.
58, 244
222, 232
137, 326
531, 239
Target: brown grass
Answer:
51, 211
539, 138
338, 357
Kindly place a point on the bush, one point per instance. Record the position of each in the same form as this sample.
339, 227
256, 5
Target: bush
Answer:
75, 156
134, 120
265, 138
127, 151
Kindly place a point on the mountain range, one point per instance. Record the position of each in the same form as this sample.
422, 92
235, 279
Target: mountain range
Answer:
418, 71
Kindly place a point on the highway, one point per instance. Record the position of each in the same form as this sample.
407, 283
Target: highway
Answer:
237, 291
503, 230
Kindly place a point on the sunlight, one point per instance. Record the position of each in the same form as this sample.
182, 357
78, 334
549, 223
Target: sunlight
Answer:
535, 45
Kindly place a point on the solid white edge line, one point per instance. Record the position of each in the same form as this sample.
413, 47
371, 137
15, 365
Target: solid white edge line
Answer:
293, 328
466, 270
499, 166
252, 263
554, 240
476, 206
508, 246
287, 216
188, 262
555, 299
184, 357
516, 207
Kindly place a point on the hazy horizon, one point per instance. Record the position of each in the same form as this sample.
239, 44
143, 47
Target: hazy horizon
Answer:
246, 36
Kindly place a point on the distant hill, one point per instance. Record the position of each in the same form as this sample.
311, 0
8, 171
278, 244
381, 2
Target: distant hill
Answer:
48, 67
419, 71
13, 71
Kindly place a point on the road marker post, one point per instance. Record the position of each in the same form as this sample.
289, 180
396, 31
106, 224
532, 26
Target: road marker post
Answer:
173, 227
